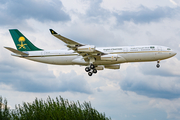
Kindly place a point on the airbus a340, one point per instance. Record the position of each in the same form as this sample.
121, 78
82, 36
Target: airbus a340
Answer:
94, 58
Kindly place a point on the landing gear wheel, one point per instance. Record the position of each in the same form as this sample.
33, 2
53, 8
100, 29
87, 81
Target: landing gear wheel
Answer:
87, 69
90, 73
94, 71
157, 65
92, 66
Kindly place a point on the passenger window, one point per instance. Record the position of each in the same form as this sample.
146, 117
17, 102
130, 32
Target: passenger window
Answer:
152, 47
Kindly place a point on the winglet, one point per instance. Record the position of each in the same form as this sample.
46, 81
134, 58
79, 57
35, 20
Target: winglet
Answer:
52, 31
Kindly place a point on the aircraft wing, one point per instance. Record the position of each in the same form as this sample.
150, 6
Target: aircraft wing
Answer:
70, 43
75, 46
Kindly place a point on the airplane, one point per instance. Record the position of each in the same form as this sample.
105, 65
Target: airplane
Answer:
94, 58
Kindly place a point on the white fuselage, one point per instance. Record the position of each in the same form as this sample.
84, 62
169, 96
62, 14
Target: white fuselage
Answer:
125, 54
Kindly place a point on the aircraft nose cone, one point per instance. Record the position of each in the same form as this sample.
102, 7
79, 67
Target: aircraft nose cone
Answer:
173, 53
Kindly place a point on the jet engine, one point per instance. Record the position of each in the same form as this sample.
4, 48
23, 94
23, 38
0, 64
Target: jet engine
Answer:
86, 48
115, 66
100, 67
110, 57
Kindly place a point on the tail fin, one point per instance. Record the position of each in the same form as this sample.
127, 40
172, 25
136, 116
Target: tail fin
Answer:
21, 42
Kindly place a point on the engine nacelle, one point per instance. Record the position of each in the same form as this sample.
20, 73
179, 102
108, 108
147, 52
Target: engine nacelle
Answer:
71, 46
100, 67
110, 57
87, 48
116, 66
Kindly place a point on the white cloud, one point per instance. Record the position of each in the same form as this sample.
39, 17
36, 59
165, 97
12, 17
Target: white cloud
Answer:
132, 5
79, 6
5, 87
172, 1
171, 65
175, 2
170, 106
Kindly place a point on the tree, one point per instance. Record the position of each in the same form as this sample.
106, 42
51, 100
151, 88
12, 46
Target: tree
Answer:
59, 109
4, 110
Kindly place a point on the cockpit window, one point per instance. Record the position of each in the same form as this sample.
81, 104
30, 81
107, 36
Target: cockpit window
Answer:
168, 49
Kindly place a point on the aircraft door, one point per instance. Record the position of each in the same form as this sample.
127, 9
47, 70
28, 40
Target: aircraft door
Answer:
125, 49
42, 54
159, 48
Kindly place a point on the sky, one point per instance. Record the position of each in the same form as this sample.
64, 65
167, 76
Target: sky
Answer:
137, 91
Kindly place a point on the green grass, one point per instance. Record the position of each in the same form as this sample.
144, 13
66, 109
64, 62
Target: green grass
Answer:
58, 109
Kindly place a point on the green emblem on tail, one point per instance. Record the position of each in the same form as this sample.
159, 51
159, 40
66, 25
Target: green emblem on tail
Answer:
21, 42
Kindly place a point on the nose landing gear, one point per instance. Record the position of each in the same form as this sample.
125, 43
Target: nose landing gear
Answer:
158, 65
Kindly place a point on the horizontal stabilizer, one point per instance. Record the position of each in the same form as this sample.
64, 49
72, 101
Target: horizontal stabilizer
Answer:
16, 51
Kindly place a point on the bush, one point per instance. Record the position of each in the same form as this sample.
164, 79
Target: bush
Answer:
58, 109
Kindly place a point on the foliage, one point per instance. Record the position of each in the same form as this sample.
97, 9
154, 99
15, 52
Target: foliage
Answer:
58, 109
4, 110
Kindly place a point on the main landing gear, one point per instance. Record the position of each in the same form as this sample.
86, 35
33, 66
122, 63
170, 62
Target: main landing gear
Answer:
91, 69
158, 65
